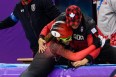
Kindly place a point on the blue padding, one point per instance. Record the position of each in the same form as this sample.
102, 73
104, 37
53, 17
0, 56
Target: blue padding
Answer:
12, 16
4, 65
95, 65
103, 65
61, 66
56, 66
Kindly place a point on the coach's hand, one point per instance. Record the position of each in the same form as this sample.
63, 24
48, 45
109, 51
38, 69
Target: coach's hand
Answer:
80, 63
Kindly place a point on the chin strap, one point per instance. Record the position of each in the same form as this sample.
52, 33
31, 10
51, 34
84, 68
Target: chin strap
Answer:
23, 2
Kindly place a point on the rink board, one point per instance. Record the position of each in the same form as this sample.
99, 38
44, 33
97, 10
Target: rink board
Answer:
14, 70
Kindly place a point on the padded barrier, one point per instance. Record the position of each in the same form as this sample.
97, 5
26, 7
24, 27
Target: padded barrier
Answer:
100, 70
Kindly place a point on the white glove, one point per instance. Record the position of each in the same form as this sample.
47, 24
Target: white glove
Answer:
103, 40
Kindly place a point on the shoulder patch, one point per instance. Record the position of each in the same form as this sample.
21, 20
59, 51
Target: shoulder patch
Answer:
33, 7
93, 30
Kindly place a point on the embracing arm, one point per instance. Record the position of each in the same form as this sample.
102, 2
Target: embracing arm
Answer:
45, 36
75, 56
91, 56
79, 55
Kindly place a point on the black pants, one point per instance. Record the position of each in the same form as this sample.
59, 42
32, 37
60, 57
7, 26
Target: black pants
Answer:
41, 66
107, 54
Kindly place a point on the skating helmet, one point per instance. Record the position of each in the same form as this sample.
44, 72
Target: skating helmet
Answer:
61, 30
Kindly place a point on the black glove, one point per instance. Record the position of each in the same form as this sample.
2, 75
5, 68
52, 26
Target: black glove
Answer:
97, 42
90, 59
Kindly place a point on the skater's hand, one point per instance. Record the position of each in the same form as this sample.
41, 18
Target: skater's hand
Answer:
42, 45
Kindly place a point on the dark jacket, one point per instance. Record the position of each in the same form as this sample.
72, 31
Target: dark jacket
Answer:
33, 17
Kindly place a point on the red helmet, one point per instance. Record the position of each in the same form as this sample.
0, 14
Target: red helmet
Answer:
73, 15
60, 29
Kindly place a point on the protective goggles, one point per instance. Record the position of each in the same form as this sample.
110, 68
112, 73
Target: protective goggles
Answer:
66, 39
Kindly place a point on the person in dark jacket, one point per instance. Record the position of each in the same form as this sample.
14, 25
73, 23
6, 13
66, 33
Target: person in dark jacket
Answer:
34, 15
